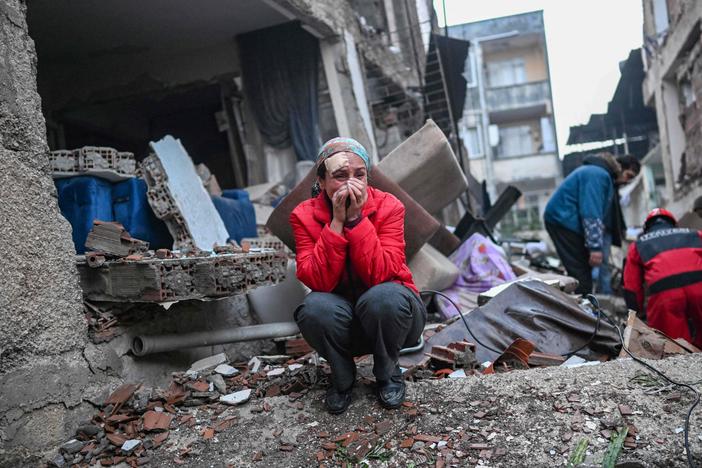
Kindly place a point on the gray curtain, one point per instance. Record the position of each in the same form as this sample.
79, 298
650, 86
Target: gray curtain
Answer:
280, 67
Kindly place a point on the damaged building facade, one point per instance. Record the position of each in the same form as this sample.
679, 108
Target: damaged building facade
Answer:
507, 124
249, 87
673, 85
123, 74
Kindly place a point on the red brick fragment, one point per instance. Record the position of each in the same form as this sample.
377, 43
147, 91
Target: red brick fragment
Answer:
321, 456
427, 438
116, 439
122, 394
407, 443
160, 438
329, 446
352, 438
119, 418
155, 421
198, 386
383, 426
624, 410
286, 448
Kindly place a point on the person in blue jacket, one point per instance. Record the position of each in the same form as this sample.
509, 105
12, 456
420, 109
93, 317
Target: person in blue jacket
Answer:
584, 209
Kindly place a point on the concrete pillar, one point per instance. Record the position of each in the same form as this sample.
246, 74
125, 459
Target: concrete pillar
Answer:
44, 377
345, 79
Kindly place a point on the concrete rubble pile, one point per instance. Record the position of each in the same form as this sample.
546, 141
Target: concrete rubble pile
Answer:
203, 264
135, 420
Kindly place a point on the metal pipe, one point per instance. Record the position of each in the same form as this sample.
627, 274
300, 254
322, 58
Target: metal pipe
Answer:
143, 345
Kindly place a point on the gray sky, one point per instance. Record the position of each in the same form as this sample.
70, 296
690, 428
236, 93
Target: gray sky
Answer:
586, 40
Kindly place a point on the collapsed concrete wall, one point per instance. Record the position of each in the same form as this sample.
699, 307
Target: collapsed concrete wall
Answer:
45, 381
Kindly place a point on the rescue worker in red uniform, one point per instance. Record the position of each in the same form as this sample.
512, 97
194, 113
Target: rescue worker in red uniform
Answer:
668, 260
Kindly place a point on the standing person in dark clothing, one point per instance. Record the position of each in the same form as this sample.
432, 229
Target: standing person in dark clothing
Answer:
585, 207
350, 248
668, 260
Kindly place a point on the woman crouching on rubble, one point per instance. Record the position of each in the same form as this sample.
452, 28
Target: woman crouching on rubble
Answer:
350, 248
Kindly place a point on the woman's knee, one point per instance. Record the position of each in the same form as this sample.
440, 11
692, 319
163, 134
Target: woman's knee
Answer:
322, 309
385, 300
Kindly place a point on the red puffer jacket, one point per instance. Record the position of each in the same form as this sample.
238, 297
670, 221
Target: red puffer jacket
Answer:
370, 253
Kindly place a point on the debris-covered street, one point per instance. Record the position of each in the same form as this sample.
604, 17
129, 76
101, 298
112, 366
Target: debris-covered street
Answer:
499, 420
352, 233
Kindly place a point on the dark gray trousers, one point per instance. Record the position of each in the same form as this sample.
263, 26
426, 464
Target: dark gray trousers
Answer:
385, 319
570, 247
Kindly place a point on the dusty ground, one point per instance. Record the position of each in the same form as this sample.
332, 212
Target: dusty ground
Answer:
522, 418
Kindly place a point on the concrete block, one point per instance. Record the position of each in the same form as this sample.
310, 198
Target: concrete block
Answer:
226, 370
177, 196
236, 398
426, 168
432, 270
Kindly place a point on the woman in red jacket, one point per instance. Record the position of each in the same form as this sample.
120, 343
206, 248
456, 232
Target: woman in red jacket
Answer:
350, 248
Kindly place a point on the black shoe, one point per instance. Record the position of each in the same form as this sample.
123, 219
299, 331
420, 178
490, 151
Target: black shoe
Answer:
337, 402
391, 394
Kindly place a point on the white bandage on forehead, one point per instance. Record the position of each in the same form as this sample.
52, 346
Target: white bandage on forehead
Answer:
335, 162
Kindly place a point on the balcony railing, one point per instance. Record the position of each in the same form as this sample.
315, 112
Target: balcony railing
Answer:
518, 96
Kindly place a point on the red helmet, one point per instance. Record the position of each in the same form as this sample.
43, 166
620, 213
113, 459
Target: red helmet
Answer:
659, 213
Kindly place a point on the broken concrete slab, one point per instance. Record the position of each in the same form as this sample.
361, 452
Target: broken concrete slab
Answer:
254, 364
103, 162
112, 239
177, 196
226, 370
129, 445
208, 363
151, 279
275, 372
236, 398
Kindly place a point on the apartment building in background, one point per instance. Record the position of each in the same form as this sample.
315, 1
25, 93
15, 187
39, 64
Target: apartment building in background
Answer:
507, 125
673, 85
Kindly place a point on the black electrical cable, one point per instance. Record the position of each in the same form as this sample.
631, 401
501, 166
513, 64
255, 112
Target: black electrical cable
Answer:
455, 306
439, 293
593, 300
